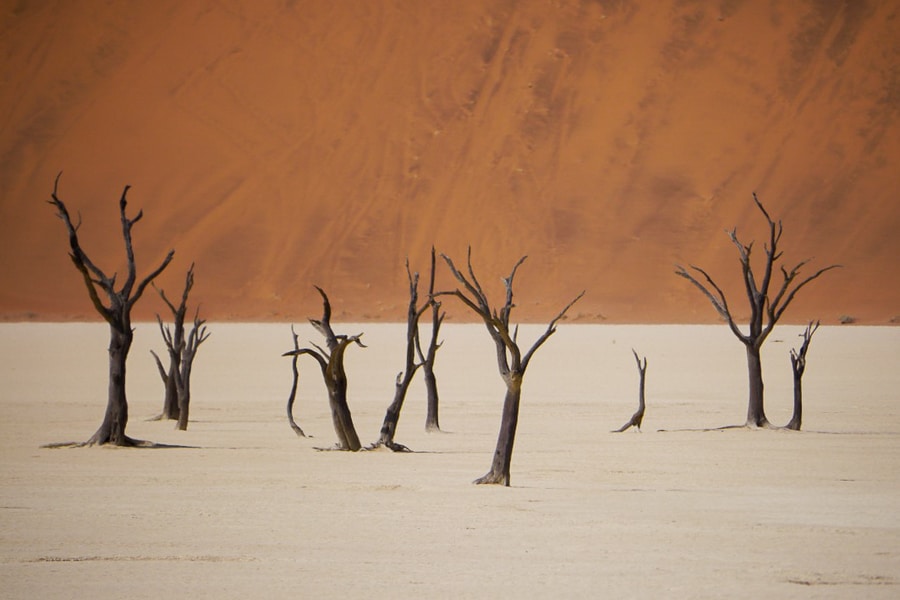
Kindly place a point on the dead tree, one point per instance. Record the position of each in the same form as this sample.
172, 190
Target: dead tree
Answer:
428, 358
767, 304
197, 336
404, 377
638, 416
798, 366
117, 313
331, 362
176, 348
510, 360
292, 396
187, 353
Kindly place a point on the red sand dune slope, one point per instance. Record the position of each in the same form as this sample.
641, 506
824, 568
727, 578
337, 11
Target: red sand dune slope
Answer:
282, 144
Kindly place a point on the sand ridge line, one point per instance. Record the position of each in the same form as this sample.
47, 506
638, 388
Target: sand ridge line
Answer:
141, 558
819, 579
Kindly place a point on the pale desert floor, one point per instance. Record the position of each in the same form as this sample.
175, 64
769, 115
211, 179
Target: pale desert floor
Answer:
252, 511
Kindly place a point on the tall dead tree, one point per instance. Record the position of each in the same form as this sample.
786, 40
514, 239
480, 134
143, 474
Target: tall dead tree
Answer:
415, 358
798, 366
182, 375
432, 420
404, 377
175, 348
331, 362
117, 313
767, 304
511, 362
638, 416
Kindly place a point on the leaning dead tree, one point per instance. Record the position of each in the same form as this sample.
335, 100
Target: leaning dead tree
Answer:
117, 313
175, 346
798, 366
510, 360
767, 301
404, 377
331, 362
182, 375
638, 416
415, 358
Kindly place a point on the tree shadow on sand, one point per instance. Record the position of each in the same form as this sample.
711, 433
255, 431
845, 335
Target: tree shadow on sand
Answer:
130, 443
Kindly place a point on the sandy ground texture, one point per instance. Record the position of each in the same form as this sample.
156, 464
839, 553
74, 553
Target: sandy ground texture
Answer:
247, 509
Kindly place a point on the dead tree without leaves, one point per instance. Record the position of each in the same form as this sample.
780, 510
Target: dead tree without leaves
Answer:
638, 416
511, 362
182, 352
331, 362
296, 377
117, 313
415, 358
798, 366
175, 344
767, 304
432, 419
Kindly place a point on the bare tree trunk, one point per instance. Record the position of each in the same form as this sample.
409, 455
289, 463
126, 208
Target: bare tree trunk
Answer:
405, 377
432, 420
184, 401
340, 413
197, 336
798, 366
509, 422
170, 403
292, 396
797, 416
392, 415
170, 400
112, 430
756, 414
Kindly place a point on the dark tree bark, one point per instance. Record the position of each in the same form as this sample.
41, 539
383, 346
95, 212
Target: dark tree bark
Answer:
432, 420
798, 366
182, 375
638, 416
175, 349
405, 377
117, 314
332, 364
511, 363
197, 336
425, 361
767, 305
292, 396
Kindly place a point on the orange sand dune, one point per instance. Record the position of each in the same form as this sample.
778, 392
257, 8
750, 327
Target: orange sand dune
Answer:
281, 144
